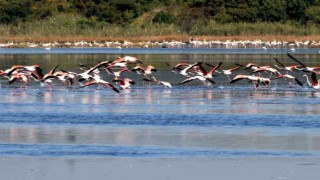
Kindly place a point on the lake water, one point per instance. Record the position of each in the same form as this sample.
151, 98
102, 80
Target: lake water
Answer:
150, 121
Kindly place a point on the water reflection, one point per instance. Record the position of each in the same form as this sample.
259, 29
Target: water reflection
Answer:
217, 138
140, 117
155, 100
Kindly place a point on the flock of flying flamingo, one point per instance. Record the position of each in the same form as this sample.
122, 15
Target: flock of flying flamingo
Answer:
199, 71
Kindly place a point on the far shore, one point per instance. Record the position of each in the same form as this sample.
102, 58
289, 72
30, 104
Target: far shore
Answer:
188, 168
136, 39
154, 41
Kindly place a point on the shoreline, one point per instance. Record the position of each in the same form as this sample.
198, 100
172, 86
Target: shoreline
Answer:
170, 41
262, 168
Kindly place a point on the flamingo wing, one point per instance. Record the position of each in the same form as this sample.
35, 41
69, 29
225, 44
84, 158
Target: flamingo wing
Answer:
314, 81
279, 62
296, 60
112, 87
187, 80
88, 84
299, 82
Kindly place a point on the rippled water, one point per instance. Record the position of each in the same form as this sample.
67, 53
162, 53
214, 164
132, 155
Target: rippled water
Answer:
151, 121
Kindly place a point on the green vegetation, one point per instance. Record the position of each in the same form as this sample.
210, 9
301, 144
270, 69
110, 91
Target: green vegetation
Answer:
134, 18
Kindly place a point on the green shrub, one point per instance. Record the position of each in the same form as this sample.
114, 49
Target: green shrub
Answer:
84, 23
163, 17
313, 14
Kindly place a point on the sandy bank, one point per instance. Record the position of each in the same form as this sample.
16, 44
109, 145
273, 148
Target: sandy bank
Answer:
83, 168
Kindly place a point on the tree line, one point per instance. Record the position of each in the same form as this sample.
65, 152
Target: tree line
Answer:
182, 13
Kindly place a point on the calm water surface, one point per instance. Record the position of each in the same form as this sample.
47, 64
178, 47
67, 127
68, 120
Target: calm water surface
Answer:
151, 121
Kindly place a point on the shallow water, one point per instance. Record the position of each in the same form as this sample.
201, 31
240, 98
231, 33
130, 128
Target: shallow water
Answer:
157, 51
151, 121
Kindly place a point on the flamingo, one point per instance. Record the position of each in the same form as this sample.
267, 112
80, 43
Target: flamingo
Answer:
303, 67
208, 75
201, 78
249, 66
185, 71
255, 79
226, 72
315, 83
178, 66
97, 80
164, 83
146, 72
71, 76
86, 75
131, 59
117, 74
116, 64
124, 83
108, 67
66, 77
46, 79
36, 70
123, 61
95, 71
287, 76
22, 77
268, 69
8, 72
283, 67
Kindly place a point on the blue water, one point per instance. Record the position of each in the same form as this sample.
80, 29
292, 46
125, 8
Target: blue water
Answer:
40, 150
150, 121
